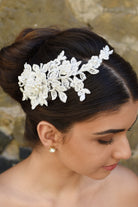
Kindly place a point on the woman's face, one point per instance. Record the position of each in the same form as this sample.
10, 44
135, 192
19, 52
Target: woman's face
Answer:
93, 145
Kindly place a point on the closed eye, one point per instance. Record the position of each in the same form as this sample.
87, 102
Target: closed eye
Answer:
106, 142
130, 128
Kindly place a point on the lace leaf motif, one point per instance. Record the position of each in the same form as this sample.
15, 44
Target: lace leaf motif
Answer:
57, 76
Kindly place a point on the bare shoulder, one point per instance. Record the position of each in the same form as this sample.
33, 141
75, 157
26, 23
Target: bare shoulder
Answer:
125, 184
7, 187
125, 177
5, 178
4, 191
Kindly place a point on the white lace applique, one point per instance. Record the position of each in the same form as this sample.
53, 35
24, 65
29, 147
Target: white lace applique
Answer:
57, 76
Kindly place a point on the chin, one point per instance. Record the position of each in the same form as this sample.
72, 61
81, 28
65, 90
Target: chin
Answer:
99, 176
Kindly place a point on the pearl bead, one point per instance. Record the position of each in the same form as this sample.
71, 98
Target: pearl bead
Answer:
52, 149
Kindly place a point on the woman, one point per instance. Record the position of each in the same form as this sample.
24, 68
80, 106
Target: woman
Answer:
80, 98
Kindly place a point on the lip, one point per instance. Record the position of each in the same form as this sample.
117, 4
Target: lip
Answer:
110, 167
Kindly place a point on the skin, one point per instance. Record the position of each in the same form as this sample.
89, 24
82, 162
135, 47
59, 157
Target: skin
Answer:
74, 175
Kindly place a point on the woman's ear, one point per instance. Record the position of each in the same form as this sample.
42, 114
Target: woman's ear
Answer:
48, 134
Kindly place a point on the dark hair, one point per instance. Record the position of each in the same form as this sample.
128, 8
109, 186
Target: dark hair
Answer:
113, 86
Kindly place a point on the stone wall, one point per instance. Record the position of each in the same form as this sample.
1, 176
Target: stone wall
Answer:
115, 20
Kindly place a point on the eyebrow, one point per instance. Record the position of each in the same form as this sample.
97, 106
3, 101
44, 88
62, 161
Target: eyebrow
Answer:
110, 131
114, 131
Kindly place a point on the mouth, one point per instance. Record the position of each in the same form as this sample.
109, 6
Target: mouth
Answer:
110, 167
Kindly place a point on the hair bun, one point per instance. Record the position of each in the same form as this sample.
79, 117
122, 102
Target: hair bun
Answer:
13, 57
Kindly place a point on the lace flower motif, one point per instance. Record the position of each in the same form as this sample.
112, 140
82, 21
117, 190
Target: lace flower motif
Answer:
57, 76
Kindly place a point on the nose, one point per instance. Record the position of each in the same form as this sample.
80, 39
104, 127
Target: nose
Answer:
122, 149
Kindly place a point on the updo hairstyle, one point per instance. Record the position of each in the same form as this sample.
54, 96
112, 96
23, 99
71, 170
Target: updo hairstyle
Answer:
114, 85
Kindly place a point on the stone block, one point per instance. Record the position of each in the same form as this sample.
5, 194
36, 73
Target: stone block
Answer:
5, 164
4, 140
11, 151
24, 152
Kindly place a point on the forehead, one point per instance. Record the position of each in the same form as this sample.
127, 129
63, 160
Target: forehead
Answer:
122, 118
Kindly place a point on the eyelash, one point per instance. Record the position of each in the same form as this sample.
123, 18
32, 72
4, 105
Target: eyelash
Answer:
105, 142
130, 129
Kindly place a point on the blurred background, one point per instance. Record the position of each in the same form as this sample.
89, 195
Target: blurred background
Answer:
117, 21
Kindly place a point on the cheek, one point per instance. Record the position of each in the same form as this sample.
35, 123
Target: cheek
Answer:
82, 156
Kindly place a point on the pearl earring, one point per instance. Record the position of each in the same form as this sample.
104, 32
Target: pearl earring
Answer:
52, 149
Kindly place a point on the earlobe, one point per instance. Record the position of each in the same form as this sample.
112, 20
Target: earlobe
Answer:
49, 136
46, 133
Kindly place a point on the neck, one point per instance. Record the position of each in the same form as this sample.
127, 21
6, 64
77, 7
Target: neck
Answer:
49, 174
